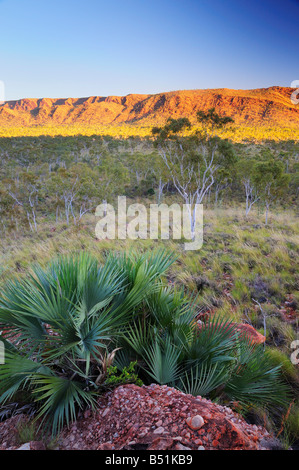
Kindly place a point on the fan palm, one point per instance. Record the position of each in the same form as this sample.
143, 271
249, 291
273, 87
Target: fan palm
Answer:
60, 324
57, 322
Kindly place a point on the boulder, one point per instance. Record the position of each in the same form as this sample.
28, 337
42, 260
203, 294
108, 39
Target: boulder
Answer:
244, 330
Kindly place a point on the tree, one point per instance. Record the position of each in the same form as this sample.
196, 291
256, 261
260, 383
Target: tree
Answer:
75, 190
213, 121
161, 175
24, 189
193, 161
139, 165
223, 179
245, 171
98, 150
113, 178
270, 180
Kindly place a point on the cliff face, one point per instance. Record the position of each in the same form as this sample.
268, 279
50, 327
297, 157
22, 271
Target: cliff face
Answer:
265, 106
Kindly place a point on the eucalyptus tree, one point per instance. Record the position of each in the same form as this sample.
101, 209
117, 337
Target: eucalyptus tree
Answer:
7, 211
24, 189
161, 175
98, 150
271, 180
245, 174
193, 160
139, 165
74, 190
223, 180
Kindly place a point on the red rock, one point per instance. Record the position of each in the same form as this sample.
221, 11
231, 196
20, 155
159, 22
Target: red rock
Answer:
195, 422
245, 331
181, 447
159, 430
161, 444
132, 416
37, 445
249, 332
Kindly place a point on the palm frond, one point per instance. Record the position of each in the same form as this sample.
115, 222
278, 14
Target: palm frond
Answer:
16, 372
162, 361
203, 379
61, 397
255, 381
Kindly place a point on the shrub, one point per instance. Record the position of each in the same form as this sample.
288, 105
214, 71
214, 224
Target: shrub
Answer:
57, 323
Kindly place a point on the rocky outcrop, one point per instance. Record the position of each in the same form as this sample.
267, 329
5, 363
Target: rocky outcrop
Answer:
244, 331
247, 331
162, 418
150, 418
266, 106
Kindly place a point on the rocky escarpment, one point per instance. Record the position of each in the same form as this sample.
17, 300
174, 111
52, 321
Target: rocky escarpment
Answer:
266, 106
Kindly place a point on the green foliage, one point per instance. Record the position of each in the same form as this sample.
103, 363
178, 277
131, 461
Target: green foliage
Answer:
127, 376
212, 120
240, 260
26, 432
58, 322
214, 361
64, 325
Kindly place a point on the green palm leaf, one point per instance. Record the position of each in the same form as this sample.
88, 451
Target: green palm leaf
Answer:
203, 379
162, 362
61, 397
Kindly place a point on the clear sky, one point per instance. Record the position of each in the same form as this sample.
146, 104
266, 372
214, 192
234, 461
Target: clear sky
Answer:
75, 48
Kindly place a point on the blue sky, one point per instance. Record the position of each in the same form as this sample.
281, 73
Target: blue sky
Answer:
74, 48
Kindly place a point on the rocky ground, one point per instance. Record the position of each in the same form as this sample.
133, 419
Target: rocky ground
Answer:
151, 418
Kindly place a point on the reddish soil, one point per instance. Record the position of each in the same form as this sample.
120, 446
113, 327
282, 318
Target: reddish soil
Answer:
152, 418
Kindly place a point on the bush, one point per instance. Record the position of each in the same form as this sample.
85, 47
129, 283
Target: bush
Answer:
57, 325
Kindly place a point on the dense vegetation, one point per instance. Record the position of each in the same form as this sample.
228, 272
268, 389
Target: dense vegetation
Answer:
61, 325
60, 179
250, 134
247, 271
